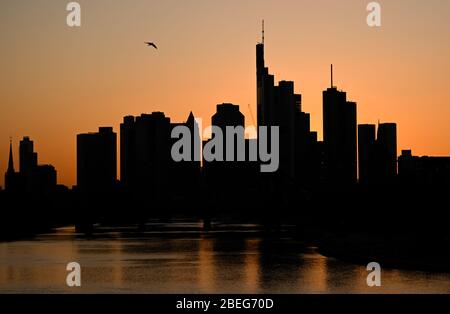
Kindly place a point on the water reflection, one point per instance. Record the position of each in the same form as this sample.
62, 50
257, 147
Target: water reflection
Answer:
194, 263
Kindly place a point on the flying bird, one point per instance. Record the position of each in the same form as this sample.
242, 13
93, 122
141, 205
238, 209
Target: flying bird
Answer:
151, 45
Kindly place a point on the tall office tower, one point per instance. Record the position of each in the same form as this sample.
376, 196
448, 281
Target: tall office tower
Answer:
283, 115
265, 88
185, 174
228, 115
339, 136
261, 73
367, 153
147, 168
230, 181
280, 106
307, 157
27, 156
128, 151
153, 158
387, 152
97, 160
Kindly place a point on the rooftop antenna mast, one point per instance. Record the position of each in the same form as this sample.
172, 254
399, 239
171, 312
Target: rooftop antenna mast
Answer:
263, 32
332, 85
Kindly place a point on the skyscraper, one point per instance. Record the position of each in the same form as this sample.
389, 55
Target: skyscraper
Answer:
97, 161
265, 84
145, 154
228, 115
367, 153
147, 168
339, 137
230, 181
283, 115
27, 156
280, 106
387, 152
128, 152
185, 174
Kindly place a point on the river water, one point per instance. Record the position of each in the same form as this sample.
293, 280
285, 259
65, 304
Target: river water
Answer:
191, 262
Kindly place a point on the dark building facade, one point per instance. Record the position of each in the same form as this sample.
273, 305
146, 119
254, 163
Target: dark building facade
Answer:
28, 158
147, 167
339, 137
387, 152
185, 175
280, 106
31, 178
307, 158
423, 171
367, 153
43, 179
228, 115
230, 181
377, 153
97, 161
128, 174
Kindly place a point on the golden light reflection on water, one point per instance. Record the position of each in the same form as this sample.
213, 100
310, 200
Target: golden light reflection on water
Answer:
316, 274
252, 267
205, 264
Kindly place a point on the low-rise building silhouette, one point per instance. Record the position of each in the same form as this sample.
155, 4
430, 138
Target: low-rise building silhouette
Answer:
425, 170
32, 177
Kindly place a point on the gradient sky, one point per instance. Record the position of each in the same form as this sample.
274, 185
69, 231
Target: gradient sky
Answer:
57, 81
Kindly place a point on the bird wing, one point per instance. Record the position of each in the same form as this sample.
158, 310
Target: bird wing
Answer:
151, 44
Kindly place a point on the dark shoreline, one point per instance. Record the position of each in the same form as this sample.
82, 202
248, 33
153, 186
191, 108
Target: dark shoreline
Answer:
396, 254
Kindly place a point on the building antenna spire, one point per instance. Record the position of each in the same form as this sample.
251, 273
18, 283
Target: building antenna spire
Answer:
332, 85
263, 32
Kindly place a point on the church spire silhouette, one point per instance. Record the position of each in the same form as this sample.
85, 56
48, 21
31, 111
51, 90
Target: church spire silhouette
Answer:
191, 118
11, 160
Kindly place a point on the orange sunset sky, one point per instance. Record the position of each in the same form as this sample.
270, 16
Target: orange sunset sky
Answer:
57, 81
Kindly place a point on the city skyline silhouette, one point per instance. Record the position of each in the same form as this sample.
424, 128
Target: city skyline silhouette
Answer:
301, 150
395, 73
214, 160
151, 182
